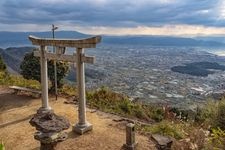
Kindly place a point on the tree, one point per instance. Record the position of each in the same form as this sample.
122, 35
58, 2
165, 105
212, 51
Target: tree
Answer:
31, 69
2, 65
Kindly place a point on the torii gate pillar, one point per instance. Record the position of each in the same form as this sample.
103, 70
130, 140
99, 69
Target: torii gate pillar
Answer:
82, 126
44, 81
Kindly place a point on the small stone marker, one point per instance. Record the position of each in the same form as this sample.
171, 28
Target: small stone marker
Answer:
162, 142
50, 127
130, 137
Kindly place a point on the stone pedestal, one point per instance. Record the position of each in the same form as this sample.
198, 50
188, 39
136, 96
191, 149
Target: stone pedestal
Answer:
131, 144
82, 128
50, 129
49, 140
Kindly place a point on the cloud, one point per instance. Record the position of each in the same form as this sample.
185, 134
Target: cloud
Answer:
175, 30
114, 13
167, 30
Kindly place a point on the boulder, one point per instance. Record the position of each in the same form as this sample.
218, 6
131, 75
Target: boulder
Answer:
162, 142
49, 122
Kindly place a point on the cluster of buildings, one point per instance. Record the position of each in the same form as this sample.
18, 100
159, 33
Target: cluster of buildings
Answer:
144, 73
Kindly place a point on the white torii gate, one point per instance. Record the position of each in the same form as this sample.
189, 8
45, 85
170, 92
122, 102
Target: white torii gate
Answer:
79, 58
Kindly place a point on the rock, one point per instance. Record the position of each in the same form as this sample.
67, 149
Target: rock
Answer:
50, 129
48, 138
49, 122
73, 100
162, 142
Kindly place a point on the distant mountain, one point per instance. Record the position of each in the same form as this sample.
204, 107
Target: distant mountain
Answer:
218, 38
160, 41
9, 39
13, 56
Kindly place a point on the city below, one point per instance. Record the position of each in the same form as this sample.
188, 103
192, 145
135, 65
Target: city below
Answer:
144, 73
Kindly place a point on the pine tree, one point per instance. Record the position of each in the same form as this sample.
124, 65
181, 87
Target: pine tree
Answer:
30, 69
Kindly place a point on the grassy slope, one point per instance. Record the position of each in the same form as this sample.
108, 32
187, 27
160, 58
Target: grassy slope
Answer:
156, 118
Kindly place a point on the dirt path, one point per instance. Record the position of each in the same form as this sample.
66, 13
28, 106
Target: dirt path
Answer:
17, 134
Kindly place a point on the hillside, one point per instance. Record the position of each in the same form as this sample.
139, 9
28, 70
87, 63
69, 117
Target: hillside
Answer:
196, 128
199, 68
13, 56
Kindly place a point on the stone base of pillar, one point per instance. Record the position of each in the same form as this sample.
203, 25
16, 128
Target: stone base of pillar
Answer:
82, 128
45, 110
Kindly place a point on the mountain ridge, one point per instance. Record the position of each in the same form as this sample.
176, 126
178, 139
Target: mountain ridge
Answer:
8, 39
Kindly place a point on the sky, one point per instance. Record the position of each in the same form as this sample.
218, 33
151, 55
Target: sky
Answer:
116, 17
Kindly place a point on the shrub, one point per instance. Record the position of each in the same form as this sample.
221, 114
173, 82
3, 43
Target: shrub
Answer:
139, 112
106, 100
157, 114
212, 114
165, 128
2, 65
2, 147
217, 139
207, 113
220, 116
109, 101
68, 90
125, 106
4, 78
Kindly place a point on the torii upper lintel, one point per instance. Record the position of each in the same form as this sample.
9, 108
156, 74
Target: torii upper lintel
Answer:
78, 43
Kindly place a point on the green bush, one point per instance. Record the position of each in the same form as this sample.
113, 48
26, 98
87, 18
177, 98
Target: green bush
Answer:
109, 101
68, 90
212, 114
2, 147
220, 116
157, 114
30, 69
126, 107
217, 139
139, 112
207, 112
10, 80
165, 128
2, 65
106, 100
4, 78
